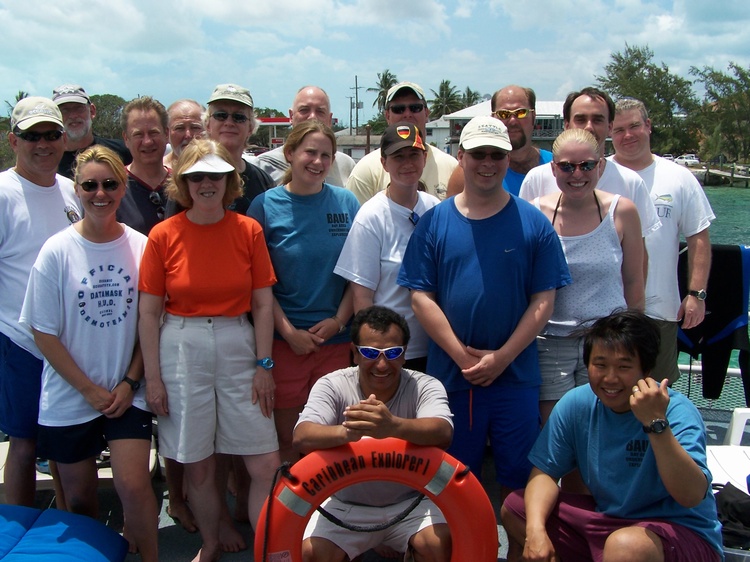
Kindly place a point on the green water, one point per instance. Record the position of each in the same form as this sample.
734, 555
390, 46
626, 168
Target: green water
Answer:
731, 205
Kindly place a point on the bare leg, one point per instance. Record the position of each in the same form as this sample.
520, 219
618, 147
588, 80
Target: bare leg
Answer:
432, 544
261, 469
242, 487
631, 544
230, 538
318, 549
59, 492
204, 499
286, 419
515, 528
545, 409
20, 472
178, 508
80, 483
133, 485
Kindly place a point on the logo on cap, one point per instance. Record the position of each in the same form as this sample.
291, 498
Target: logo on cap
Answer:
403, 131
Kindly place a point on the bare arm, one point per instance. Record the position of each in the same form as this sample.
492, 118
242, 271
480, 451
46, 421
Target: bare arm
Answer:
262, 311
681, 475
540, 498
150, 309
492, 363
435, 323
362, 297
58, 356
372, 418
693, 311
628, 226
302, 342
329, 327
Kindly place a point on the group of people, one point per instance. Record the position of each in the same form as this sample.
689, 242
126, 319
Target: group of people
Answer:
223, 287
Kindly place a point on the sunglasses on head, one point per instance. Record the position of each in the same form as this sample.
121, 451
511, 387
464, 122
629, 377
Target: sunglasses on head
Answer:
224, 115
200, 176
92, 185
520, 113
31, 136
481, 155
400, 108
372, 353
570, 167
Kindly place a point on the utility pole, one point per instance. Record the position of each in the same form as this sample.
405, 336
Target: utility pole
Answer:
351, 106
358, 104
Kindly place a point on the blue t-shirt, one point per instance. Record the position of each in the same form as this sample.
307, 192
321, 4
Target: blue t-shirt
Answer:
483, 274
616, 462
513, 180
305, 234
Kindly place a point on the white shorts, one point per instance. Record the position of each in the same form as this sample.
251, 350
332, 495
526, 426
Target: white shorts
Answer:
561, 364
208, 365
355, 543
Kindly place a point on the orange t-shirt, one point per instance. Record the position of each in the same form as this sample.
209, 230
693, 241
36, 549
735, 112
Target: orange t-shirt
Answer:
206, 269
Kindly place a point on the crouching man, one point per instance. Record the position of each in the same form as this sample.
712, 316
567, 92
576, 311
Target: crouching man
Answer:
641, 450
378, 398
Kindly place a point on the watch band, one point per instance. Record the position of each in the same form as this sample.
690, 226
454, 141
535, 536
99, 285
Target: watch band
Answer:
134, 385
700, 295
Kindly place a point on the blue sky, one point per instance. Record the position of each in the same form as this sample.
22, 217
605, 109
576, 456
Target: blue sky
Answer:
172, 49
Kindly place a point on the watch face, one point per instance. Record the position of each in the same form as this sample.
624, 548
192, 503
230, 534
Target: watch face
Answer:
658, 426
266, 363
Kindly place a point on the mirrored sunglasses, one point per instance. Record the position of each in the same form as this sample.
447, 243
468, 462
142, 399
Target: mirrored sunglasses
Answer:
224, 115
92, 185
372, 353
400, 108
520, 113
32, 136
570, 167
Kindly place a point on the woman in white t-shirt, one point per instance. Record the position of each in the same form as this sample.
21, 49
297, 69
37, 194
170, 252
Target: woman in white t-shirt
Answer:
601, 237
82, 307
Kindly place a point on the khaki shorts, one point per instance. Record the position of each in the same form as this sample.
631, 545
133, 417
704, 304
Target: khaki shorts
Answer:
561, 365
354, 543
208, 365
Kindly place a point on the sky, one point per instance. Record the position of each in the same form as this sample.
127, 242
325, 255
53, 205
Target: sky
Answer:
173, 49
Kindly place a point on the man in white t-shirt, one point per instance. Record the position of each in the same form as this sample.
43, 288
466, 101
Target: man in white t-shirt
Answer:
35, 203
311, 102
685, 211
593, 110
404, 102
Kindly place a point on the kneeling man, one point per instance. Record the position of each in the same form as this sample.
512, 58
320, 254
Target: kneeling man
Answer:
376, 399
641, 450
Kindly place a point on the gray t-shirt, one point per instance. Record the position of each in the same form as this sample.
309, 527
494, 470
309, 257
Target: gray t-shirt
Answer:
418, 396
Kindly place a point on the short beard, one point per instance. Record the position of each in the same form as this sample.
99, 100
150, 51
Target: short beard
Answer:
80, 133
518, 142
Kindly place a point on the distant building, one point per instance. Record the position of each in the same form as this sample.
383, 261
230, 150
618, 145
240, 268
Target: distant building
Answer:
356, 146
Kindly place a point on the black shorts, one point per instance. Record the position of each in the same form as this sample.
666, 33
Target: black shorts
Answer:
75, 443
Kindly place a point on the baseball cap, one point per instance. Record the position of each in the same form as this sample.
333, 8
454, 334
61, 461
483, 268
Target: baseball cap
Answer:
398, 136
68, 93
32, 110
232, 92
485, 131
210, 163
400, 86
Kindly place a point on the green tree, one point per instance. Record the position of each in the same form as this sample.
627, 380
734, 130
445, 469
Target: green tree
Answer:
447, 100
7, 156
262, 136
725, 114
108, 111
386, 80
671, 102
378, 124
470, 97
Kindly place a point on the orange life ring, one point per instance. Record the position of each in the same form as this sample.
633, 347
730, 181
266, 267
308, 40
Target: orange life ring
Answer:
438, 475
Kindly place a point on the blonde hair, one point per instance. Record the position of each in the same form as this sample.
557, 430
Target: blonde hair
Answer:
298, 134
101, 155
177, 187
580, 136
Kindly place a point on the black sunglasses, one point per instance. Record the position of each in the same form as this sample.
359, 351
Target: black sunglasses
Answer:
31, 136
200, 176
92, 185
570, 167
224, 115
401, 107
480, 155
156, 199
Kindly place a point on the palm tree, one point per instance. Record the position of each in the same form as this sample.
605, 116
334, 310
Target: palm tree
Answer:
447, 100
470, 97
19, 96
386, 80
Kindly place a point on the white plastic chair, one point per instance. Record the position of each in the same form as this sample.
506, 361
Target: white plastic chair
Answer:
730, 462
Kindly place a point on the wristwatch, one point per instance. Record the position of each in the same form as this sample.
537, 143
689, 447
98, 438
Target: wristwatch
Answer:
700, 295
134, 385
265, 363
656, 426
